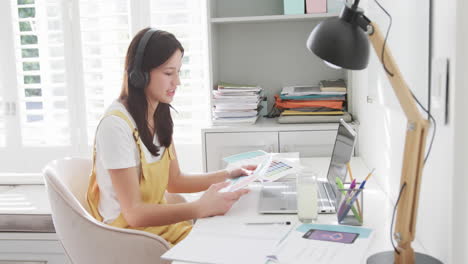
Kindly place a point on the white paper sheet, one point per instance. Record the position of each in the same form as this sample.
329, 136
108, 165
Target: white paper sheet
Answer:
228, 243
298, 250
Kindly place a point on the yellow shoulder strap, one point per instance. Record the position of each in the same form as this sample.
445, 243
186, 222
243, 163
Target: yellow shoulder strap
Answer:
130, 124
121, 115
171, 152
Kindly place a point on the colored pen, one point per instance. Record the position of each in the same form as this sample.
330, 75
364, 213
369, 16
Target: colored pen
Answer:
370, 174
353, 184
349, 170
346, 200
349, 205
269, 223
365, 180
340, 185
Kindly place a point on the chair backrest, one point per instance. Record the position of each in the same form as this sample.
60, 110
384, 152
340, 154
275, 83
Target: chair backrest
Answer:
85, 239
73, 173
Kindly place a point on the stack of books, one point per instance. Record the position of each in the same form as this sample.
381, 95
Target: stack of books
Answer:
337, 86
310, 104
236, 103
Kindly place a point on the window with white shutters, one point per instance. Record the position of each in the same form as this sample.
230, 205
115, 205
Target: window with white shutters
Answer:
62, 65
2, 115
38, 115
104, 41
186, 19
42, 95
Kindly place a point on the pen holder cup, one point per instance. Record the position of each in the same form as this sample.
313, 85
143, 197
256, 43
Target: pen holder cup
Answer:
350, 209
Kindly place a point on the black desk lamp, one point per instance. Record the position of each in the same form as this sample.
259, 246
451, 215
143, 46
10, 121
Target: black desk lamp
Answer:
344, 42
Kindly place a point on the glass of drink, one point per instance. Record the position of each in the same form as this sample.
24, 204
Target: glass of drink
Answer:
307, 210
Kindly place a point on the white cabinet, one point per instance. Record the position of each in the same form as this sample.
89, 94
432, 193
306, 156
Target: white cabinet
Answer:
253, 42
316, 143
32, 213
310, 140
31, 248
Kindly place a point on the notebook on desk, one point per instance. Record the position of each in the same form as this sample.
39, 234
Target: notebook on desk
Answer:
280, 197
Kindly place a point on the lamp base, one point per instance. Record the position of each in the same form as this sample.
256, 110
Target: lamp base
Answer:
387, 257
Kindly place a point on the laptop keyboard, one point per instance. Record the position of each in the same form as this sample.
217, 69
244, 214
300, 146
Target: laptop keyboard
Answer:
280, 195
289, 193
284, 196
324, 194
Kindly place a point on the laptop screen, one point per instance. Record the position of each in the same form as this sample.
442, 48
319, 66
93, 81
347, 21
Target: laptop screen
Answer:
342, 152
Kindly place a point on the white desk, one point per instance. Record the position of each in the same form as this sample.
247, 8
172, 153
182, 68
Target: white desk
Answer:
377, 208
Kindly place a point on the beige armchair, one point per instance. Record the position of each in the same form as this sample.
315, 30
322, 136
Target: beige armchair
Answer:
85, 239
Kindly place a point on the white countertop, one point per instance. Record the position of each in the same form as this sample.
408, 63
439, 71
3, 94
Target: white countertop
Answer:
23, 199
25, 203
377, 208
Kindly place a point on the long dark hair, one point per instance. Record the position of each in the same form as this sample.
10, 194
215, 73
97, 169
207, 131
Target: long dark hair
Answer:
160, 47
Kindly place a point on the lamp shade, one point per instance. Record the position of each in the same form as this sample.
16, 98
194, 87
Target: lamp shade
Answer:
341, 41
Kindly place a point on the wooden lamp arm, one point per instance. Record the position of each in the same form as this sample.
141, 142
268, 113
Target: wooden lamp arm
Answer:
413, 157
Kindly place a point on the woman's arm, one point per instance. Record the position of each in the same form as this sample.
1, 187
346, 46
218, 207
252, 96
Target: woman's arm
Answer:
180, 182
140, 214
136, 212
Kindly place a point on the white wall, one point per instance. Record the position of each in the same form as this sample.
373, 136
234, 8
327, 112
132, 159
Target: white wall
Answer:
383, 124
190, 157
460, 186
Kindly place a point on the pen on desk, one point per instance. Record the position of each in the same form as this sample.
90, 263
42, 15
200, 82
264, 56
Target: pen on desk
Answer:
367, 178
370, 174
361, 186
349, 205
353, 184
340, 185
269, 223
345, 202
349, 170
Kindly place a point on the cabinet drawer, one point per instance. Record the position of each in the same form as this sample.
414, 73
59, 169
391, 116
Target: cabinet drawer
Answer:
220, 145
308, 143
32, 251
22, 262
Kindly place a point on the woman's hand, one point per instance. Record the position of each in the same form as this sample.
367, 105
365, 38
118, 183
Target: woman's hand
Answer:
240, 171
213, 202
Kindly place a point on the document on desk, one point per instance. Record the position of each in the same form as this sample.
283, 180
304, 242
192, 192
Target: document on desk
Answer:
296, 249
229, 243
278, 165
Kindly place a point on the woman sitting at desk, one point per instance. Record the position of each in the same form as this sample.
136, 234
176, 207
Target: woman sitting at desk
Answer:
134, 159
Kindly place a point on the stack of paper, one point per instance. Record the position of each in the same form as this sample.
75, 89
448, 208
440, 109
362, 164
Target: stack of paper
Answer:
270, 166
314, 102
305, 90
295, 249
236, 103
227, 242
338, 85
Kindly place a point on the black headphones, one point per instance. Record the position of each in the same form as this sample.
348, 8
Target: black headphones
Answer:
136, 76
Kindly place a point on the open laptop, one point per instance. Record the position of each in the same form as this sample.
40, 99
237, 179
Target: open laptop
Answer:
280, 197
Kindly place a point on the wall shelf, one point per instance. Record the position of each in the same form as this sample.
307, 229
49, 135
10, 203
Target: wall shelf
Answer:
273, 18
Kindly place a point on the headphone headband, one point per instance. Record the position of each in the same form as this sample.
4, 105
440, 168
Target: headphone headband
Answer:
136, 77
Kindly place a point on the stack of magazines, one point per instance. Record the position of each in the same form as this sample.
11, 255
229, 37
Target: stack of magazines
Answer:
311, 104
236, 103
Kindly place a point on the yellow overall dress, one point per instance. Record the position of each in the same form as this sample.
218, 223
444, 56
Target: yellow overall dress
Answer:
153, 184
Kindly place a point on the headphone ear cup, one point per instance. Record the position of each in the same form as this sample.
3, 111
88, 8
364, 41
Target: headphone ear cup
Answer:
145, 79
137, 79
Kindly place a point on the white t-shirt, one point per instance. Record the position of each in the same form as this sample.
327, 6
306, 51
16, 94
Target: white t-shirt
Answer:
116, 149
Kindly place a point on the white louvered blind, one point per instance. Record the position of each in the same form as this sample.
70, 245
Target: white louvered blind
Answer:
39, 49
63, 65
186, 19
2, 116
104, 42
